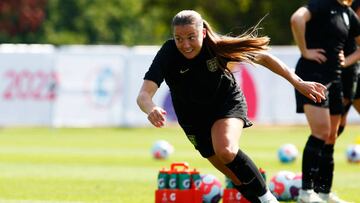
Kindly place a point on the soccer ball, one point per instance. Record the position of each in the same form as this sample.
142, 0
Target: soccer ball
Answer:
210, 188
353, 153
295, 186
287, 153
285, 185
161, 149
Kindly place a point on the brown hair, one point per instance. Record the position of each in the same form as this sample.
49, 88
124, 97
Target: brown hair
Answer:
237, 48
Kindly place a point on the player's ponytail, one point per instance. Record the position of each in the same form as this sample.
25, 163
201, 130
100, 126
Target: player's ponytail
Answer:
238, 48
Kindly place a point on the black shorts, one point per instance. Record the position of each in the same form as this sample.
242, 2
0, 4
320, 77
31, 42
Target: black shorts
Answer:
333, 99
357, 91
326, 75
349, 79
199, 133
200, 137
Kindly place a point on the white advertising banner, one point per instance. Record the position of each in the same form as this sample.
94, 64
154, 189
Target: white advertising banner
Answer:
91, 87
27, 85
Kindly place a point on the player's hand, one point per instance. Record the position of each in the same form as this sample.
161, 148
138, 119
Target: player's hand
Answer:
157, 117
342, 58
317, 55
313, 90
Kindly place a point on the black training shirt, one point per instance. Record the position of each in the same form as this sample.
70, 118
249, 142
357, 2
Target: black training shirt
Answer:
330, 26
350, 45
197, 86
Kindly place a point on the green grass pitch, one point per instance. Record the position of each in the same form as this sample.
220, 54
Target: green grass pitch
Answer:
114, 165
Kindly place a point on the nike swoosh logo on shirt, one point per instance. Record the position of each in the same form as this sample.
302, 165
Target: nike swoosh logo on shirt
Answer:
184, 71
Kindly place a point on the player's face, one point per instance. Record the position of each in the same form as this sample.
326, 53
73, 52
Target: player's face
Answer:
189, 39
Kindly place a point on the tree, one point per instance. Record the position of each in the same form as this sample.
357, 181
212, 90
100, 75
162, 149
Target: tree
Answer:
135, 22
237, 16
20, 20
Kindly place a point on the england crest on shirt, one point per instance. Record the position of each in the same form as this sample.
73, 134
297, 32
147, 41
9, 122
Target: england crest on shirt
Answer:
192, 139
212, 64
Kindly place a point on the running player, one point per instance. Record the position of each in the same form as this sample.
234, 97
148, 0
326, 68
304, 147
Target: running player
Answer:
350, 77
208, 103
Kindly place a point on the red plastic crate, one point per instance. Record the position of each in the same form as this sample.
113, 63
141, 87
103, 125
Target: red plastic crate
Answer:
191, 195
178, 196
233, 196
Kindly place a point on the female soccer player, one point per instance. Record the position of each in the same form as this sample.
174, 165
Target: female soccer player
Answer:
208, 103
350, 77
320, 30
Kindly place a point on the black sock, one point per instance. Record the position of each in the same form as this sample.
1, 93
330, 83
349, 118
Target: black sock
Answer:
340, 130
248, 174
326, 169
311, 156
245, 193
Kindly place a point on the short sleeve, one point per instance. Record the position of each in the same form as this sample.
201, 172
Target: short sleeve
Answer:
354, 24
156, 70
355, 5
314, 7
319, 8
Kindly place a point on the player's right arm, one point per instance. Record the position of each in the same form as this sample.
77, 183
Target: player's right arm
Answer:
156, 115
298, 26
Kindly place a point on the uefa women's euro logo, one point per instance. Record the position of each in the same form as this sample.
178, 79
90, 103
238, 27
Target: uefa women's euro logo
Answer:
246, 83
104, 87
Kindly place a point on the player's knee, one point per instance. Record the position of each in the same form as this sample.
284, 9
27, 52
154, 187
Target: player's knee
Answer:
322, 133
332, 138
225, 154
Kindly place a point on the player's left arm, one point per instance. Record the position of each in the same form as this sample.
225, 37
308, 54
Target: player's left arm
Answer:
353, 57
354, 32
313, 90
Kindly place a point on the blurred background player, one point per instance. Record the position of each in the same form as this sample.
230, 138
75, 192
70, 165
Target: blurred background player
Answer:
210, 107
350, 77
320, 30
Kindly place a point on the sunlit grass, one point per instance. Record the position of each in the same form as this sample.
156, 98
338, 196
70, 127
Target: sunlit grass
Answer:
106, 165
